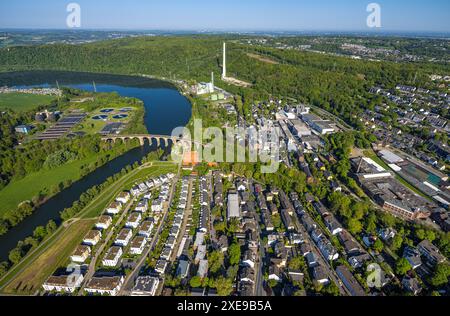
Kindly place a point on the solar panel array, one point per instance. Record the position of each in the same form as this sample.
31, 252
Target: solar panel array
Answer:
62, 127
111, 128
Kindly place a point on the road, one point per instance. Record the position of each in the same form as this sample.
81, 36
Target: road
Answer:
259, 267
259, 280
324, 262
212, 231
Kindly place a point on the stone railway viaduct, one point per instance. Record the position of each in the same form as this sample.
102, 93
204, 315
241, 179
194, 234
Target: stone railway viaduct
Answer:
160, 139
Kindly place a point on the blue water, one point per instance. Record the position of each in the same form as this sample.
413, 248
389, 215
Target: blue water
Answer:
165, 110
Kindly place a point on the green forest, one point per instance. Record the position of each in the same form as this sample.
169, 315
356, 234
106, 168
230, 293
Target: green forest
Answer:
337, 84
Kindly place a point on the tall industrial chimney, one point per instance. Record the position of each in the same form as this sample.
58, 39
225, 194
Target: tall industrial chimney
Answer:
224, 70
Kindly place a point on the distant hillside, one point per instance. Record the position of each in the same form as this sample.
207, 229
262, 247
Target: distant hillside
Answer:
337, 84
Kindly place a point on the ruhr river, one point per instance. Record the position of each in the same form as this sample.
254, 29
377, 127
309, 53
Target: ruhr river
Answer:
165, 109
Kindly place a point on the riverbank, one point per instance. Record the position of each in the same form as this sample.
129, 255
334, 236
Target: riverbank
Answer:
165, 109
24, 278
43, 181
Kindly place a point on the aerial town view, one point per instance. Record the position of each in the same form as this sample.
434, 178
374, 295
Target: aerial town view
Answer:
251, 150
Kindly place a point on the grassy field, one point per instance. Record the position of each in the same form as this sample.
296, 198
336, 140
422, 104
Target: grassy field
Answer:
24, 189
23, 102
30, 279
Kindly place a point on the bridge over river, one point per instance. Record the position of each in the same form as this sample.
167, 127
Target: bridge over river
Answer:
147, 137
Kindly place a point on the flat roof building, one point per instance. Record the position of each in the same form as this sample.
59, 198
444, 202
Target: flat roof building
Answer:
81, 254
105, 285
349, 281
233, 210
145, 286
63, 283
112, 257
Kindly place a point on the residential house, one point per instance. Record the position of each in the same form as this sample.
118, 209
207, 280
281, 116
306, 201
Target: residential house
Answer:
431, 253
267, 220
350, 245
296, 238
63, 283
411, 285
357, 261
135, 191
349, 281
170, 242
246, 289
275, 273
112, 257
157, 205
309, 223
247, 274
105, 285
174, 231
104, 222
114, 208
142, 206
81, 254
161, 266
287, 220
183, 269
296, 276
305, 248
123, 198
311, 259
133, 220
332, 225
413, 256
145, 286
92, 238
327, 249
146, 228
386, 234
321, 209
166, 253
319, 275
202, 271
124, 237
249, 259
138, 245
316, 234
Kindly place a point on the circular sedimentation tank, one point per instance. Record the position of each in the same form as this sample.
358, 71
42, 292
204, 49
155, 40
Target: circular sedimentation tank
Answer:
120, 116
100, 117
107, 110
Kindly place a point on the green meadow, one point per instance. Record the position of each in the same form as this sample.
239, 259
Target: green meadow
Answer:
21, 102
30, 186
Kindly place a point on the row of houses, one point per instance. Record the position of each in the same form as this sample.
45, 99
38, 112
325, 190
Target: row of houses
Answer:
250, 259
169, 246
109, 284
204, 205
135, 235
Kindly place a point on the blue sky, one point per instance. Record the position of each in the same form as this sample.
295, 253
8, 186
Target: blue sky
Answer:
268, 15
